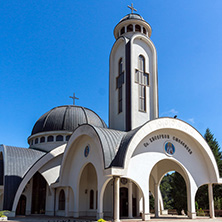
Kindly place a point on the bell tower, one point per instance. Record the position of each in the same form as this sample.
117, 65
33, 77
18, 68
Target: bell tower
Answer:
133, 89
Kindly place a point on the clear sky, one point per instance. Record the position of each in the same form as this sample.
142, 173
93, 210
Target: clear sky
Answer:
50, 49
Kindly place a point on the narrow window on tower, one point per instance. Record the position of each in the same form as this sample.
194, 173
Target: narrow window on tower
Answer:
142, 79
119, 85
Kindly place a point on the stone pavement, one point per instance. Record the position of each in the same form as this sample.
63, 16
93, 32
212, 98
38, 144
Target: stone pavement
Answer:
160, 219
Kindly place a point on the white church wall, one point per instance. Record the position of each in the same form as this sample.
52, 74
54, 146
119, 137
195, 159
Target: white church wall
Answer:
189, 154
143, 46
138, 117
73, 166
117, 120
28, 193
108, 199
49, 205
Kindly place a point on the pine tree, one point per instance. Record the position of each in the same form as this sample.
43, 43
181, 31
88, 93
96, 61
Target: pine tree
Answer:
212, 142
202, 193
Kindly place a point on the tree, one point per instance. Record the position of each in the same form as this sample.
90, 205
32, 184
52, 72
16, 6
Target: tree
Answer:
166, 189
178, 192
213, 144
202, 193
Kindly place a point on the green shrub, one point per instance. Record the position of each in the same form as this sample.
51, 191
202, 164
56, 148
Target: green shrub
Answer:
4, 213
200, 212
101, 220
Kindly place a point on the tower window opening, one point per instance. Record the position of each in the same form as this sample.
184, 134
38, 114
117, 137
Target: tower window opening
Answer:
122, 31
138, 28
119, 84
142, 98
42, 139
50, 139
130, 28
142, 79
144, 31
59, 138
36, 140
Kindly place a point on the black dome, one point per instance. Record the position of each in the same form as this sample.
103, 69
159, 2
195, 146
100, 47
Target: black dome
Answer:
66, 118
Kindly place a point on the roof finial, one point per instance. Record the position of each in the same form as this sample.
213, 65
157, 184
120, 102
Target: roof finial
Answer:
132, 9
74, 98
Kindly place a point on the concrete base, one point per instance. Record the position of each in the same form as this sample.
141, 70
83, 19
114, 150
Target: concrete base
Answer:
11, 214
192, 215
145, 217
75, 214
99, 216
164, 212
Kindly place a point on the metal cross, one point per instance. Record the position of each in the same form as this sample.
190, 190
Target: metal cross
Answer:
74, 98
132, 9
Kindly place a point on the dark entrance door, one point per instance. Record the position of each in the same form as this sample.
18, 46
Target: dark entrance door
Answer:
38, 194
21, 206
134, 207
123, 202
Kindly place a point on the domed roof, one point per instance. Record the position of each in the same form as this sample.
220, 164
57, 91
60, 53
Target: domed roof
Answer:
66, 118
132, 16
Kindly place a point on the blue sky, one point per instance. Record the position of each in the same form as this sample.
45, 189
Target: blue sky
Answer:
50, 49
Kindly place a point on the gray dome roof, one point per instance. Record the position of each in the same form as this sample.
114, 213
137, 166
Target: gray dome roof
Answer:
132, 16
66, 118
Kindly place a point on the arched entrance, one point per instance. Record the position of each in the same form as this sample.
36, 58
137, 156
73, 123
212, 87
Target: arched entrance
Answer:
38, 194
88, 191
21, 207
181, 185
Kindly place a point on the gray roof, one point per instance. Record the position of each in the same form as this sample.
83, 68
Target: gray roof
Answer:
119, 159
66, 118
17, 162
110, 141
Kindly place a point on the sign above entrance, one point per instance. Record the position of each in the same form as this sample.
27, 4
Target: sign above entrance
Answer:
168, 137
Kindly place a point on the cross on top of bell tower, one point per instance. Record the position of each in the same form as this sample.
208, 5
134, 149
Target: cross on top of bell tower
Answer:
132, 9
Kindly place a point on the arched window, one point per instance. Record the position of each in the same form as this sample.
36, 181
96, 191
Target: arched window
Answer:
138, 28
122, 31
119, 85
130, 28
36, 140
42, 139
91, 199
50, 139
62, 200
68, 137
144, 31
142, 78
59, 138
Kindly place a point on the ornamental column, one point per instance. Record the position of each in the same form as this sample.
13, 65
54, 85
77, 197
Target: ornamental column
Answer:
116, 199
67, 202
156, 195
211, 200
130, 199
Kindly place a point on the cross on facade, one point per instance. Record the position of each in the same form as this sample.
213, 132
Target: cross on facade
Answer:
74, 98
132, 9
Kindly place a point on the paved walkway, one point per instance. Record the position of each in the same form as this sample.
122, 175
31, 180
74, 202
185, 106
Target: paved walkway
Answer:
160, 219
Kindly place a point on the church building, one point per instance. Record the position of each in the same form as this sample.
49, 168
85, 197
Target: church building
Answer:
76, 166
